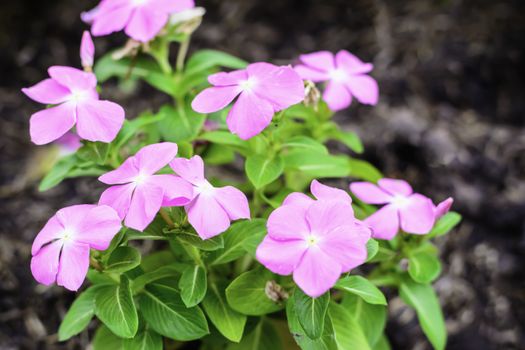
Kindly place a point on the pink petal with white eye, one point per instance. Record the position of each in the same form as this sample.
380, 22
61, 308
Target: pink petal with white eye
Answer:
191, 170
370, 193
51, 231
50, 124
443, 207
384, 222
125, 173
110, 20
347, 245
308, 73
119, 198
233, 201
74, 264
395, 187
321, 60
249, 115
170, 6
71, 217
321, 191
145, 23
44, 265
99, 120
48, 91
207, 216
152, 158
145, 204
228, 78
281, 86
336, 96
298, 199
280, 257
72, 78
87, 50
214, 99
177, 191
288, 222
317, 272
99, 227
364, 88
417, 216
325, 216
351, 64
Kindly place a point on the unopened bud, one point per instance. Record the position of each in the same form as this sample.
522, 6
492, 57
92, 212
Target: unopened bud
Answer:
312, 94
186, 22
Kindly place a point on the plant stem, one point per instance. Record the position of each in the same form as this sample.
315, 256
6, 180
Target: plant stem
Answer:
181, 56
94, 263
166, 217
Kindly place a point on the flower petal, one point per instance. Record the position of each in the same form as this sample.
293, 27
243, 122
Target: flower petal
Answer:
228, 78
214, 99
99, 120
145, 204
125, 173
312, 74
177, 191
152, 158
71, 217
145, 23
417, 216
191, 170
280, 256
298, 199
288, 222
317, 272
249, 115
73, 78
44, 265
50, 124
347, 245
48, 91
443, 207
107, 21
351, 64
52, 230
384, 222
98, 227
74, 264
324, 192
119, 198
233, 201
336, 95
207, 216
370, 193
321, 60
395, 187
324, 216
171, 6
364, 88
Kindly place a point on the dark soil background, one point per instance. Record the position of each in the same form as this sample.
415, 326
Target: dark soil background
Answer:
450, 120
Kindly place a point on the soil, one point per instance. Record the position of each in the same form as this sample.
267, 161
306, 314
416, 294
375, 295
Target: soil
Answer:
451, 120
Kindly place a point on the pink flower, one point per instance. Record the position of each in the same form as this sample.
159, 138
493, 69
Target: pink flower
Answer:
87, 51
68, 143
316, 240
142, 20
443, 207
61, 249
345, 75
262, 89
212, 208
413, 212
138, 193
74, 94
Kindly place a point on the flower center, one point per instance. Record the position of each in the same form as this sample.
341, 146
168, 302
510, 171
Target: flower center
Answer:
67, 234
205, 188
338, 75
79, 95
312, 240
400, 201
138, 2
140, 179
248, 84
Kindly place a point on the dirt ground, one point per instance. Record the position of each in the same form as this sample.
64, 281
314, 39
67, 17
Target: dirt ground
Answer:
451, 119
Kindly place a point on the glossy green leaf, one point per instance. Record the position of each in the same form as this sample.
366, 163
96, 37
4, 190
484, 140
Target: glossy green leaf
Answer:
423, 299
79, 314
311, 312
350, 140
362, 287
347, 331
445, 224
305, 143
423, 267
206, 59
382, 343
363, 170
228, 321
180, 124
316, 164
195, 240
193, 285
372, 247
95, 151
165, 312
146, 339
104, 340
262, 171
224, 138
262, 337
115, 307
58, 173
371, 318
123, 259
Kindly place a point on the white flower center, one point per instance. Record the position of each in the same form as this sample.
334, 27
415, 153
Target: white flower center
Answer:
312, 240
67, 234
205, 188
338, 75
248, 84
400, 201
79, 95
140, 179
138, 2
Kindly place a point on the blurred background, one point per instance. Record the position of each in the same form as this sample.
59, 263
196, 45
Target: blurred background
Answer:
451, 120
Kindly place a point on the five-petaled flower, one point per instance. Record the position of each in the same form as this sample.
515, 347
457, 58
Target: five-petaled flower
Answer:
142, 20
138, 194
262, 89
413, 212
61, 249
316, 240
345, 74
211, 208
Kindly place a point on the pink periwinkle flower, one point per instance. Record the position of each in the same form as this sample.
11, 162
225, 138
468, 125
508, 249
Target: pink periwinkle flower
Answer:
262, 89
87, 51
138, 194
68, 143
345, 75
141, 20
61, 249
412, 212
212, 208
315, 240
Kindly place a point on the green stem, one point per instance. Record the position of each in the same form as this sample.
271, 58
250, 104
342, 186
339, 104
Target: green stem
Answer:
166, 217
181, 56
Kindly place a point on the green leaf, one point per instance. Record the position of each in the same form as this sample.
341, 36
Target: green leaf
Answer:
193, 239
423, 299
382, 343
165, 312
105, 340
123, 259
145, 339
423, 267
262, 337
305, 143
311, 312
316, 164
247, 293
193, 285
171, 270
361, 286
95, 151
115, 307
363, 170
445, 224
224, 138
262, 171
371, 318
241, 237
79, 314
348, 332
206, 59
383, 254
181, 124
228, 321
372, 247
350, 140
58, 173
